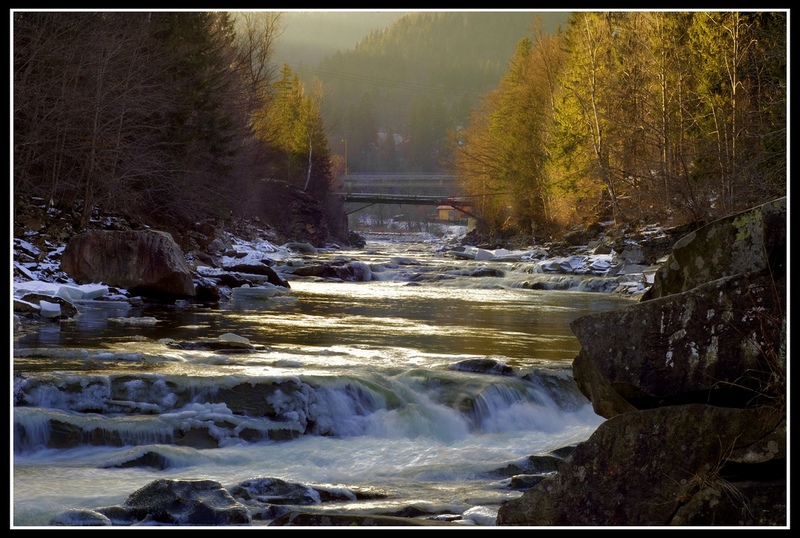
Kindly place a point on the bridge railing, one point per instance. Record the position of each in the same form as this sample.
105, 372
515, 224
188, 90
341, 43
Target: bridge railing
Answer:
414, 199
397, 180
398, 188
401, 176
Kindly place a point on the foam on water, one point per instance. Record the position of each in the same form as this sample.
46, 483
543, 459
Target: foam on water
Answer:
358, 372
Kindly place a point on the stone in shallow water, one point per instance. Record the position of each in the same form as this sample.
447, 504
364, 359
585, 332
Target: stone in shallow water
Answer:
267, 291
231, 337
144, 321
187, 502
486, 366
81, 518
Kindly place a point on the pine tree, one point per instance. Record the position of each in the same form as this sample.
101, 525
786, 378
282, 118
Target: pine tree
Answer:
293, 126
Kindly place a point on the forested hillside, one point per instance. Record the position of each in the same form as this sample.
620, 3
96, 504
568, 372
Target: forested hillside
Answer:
307, 37
396, 94
172, 117
165, 117
632, 116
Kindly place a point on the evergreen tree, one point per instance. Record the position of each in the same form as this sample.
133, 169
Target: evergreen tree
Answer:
728, 56
293, 126
502, 157
202, 138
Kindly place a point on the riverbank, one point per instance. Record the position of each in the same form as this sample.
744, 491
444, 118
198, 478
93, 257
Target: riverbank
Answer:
370, 358
600, 250
435, 392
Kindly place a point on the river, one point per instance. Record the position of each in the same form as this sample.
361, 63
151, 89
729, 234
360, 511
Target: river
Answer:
364, 373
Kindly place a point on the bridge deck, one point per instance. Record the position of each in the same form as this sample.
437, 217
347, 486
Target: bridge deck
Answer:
462, 203
396, 179
410, 199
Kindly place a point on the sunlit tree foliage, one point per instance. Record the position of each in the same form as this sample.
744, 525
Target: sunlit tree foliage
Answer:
658, 116
292, 125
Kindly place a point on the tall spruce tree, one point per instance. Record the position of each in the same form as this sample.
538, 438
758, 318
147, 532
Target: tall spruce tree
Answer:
293, 127
502, 156
201, 137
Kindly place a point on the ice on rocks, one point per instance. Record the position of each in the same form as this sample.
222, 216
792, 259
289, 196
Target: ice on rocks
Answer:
265, 291
24, 270
482, 254
49, 310
574, 264
70, 293
599, 265
82, 293
231, 337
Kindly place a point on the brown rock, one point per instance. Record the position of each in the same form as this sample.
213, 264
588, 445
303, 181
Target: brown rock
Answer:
749, 242
642, 468
712, 344
693, 382
147, 263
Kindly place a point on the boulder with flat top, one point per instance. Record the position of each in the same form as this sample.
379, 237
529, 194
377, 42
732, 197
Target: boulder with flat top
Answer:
692, 380
145, 262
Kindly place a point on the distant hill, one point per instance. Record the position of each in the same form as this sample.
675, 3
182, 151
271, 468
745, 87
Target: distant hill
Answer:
396, 93
309, 36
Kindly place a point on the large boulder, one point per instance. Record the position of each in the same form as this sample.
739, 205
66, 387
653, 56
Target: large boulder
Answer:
748, 242
693, 382
645, 468
712, 344
147, 263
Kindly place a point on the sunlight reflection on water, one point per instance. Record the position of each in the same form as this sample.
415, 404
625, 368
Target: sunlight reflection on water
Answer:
386, 345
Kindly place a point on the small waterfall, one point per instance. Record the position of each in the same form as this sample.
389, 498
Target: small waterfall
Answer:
215, 412
36, 429
348, 383
503, 409
340, 408
556, 282
31, 430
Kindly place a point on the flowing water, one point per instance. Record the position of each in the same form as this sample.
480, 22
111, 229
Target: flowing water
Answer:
349, 384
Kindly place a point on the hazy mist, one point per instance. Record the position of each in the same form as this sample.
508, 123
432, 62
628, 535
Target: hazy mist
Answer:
309, 36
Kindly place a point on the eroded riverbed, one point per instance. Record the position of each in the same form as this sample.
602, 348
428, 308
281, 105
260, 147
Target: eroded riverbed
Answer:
367, 383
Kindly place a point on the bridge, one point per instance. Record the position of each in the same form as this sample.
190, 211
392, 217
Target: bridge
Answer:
400, 180
401, 199
401, 189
